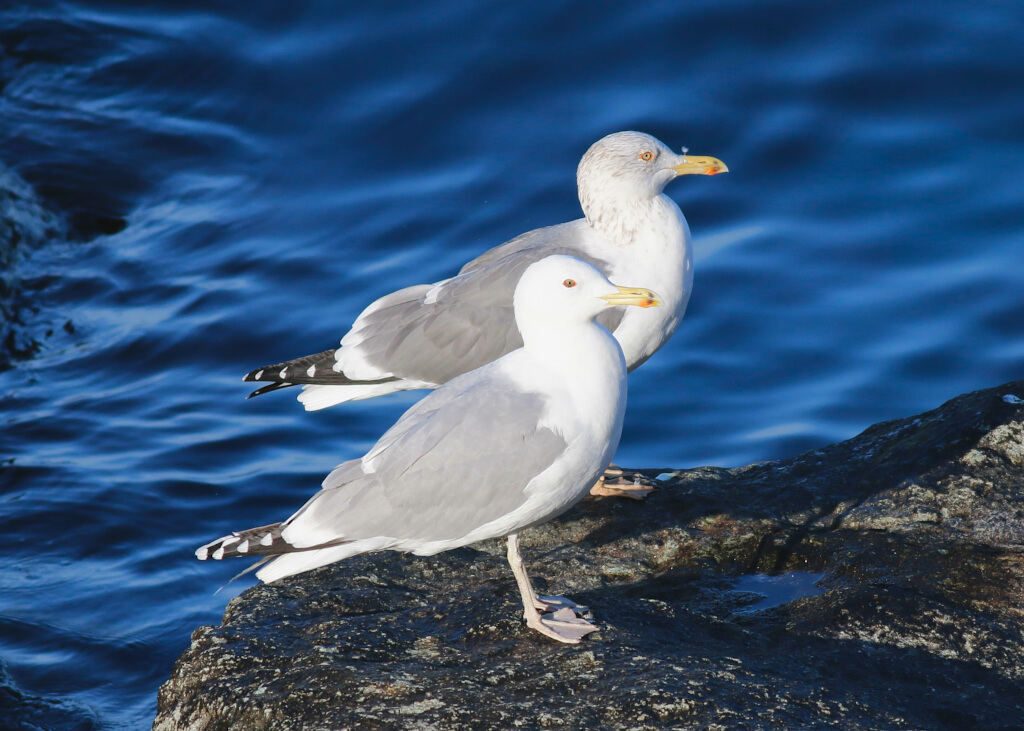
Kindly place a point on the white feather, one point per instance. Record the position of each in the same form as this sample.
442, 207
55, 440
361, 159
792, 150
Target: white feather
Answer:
315, 396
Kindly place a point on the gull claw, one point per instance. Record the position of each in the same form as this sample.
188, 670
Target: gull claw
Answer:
563, 626
615, 483
555, 603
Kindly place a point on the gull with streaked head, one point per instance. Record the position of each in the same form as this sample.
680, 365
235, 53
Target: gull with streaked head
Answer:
425, 335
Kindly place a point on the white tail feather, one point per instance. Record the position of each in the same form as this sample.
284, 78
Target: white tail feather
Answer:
290, 564
315, 396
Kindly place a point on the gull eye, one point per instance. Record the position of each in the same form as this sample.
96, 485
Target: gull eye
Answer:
569, 283
646, 155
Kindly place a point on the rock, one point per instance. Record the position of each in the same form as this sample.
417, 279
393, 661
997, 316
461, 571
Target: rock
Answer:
873, 584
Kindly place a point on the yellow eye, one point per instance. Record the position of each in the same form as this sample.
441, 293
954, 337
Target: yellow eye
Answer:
569, 283
647, 156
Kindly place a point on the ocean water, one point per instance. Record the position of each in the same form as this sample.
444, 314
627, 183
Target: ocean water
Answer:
189, 190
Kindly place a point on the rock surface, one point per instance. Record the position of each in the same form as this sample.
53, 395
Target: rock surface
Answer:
873, 584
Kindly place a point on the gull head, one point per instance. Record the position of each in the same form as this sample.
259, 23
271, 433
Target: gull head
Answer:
563, 291
625, 169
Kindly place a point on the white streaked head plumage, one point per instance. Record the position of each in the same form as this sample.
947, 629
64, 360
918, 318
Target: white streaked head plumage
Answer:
633, 159
619, 175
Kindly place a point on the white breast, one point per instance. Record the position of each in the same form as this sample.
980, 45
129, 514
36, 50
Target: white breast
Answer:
659, 257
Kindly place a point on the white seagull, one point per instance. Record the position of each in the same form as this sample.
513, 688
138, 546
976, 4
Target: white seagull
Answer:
449, 473
426, 335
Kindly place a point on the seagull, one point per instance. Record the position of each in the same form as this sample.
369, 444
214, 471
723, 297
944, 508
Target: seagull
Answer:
449, 473
425, 335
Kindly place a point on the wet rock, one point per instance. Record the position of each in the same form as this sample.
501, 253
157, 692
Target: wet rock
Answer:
910, 537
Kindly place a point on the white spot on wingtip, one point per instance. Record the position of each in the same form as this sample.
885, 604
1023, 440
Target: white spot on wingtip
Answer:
202, 553
283, 373
243, 547
311, 371
267, 540
218, 554
259, 375
1011, 399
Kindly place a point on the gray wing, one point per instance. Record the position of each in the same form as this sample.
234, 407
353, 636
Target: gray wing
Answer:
459, 459
433, 334
563, 234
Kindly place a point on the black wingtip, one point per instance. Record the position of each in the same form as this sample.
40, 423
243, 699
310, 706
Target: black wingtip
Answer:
316, 369
257, 374
268, 388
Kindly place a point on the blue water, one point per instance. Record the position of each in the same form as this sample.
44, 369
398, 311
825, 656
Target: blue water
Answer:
775, 590
194, 189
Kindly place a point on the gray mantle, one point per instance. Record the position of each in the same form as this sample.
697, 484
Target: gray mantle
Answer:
872, 584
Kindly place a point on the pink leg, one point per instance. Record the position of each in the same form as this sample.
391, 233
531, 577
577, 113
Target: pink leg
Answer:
562, 624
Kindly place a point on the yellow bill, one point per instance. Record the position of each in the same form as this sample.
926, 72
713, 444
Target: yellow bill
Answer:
700, 165
633, 296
